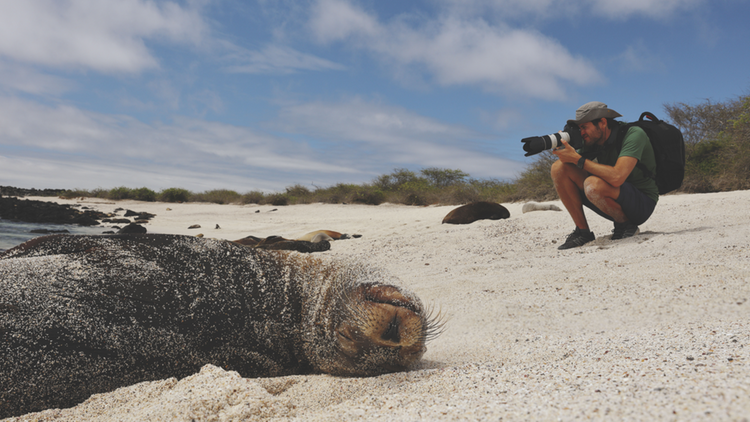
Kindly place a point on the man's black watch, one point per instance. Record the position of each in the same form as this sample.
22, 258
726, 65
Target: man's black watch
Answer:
581, 162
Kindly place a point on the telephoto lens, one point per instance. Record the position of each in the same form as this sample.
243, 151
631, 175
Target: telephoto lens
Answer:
536, 144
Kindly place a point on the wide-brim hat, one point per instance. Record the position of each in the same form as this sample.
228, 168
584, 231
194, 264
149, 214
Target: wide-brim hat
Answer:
593, 111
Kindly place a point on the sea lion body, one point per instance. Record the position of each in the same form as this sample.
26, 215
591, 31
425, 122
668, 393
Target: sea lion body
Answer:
535, 206
279, 243
482, 210
88, 314
324, 235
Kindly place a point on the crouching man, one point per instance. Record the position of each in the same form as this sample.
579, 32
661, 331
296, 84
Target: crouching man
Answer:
603, 175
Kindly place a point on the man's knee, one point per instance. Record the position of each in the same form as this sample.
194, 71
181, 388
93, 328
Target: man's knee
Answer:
595, 188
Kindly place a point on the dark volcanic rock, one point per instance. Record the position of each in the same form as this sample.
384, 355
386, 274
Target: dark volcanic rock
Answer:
117, 220
145, 216
46, 212
132, 228
139, 215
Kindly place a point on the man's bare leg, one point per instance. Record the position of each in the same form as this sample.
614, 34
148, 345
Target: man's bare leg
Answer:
569, 183
603, 196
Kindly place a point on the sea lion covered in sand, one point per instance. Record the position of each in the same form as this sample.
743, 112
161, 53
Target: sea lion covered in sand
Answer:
535, 206
87, 314
278, 243
325, 235
482, 210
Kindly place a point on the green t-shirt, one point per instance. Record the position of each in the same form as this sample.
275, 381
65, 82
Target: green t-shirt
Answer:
636, 145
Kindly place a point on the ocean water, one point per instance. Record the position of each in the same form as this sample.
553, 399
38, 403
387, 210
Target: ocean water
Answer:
14, 233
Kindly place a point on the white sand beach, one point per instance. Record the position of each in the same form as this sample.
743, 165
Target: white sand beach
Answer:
654, 327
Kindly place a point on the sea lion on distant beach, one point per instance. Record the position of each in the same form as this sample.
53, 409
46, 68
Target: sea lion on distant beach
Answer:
535, 206
87, 314
330, 233
278, 243
474, 211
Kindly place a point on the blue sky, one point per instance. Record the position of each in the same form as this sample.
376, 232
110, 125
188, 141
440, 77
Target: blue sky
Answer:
266, 94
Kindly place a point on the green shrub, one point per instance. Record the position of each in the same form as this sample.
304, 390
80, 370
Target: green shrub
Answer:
218, 196
535, 183
74, 193
174, 195
252, 197
443, 178
369, 196
299, 194
337, 194
278, 199
144, 194
119, 193
459, 194
389, 182
98, 193
717, 137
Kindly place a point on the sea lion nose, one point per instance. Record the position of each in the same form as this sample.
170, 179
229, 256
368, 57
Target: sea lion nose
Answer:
391, 333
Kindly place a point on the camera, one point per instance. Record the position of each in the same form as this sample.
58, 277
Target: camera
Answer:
571, 133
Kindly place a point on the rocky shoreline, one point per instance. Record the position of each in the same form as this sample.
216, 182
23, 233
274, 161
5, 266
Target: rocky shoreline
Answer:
31, 211
13, 191
34, 211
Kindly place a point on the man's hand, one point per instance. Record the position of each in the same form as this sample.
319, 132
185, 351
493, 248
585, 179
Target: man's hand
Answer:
567, 153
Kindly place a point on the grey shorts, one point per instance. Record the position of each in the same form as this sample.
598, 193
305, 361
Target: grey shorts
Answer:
635, 204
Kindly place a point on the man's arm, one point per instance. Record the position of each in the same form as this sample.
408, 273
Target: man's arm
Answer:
615, 176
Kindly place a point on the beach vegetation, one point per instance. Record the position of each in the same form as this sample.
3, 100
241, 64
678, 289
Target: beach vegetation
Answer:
298, 194
217, 196
119, 193
717, 144
139, 194
277, 199
252, 197
144, 194
78, 193
175, 195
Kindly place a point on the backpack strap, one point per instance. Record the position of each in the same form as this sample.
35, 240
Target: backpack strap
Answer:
623, 130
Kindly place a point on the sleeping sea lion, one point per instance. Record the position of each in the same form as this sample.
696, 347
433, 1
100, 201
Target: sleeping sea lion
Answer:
535, 206
279, 243
329, 233
88, 314
474, 211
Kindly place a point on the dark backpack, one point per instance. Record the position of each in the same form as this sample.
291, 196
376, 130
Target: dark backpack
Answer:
669, 150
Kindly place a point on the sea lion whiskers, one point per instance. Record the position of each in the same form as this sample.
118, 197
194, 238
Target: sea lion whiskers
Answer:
433, 322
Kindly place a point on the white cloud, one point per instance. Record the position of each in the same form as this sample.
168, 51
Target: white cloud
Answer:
622, 9
459, 51
555, 9
14, 77
103, 35
504, 119
358, 121
371, 133
509, 9
276, 59
335, 20
355, 141
116, 145
639, 58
